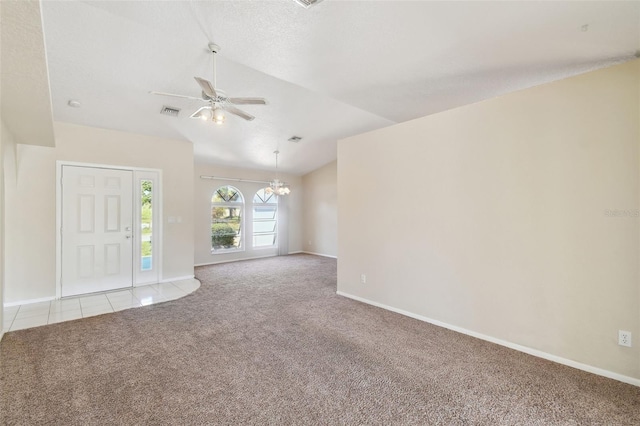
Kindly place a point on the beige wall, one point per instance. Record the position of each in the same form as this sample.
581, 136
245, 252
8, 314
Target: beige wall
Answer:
320, 210
31, 201
290, 209
492, 217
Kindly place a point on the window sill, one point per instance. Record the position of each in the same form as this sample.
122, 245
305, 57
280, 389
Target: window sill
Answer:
226, 251
265, 248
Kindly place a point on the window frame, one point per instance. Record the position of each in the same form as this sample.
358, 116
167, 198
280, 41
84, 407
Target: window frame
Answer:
254, 205
228, 204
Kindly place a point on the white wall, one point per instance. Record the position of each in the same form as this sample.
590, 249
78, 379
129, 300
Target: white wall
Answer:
320, 210
204, 189
8, 164
7, 158
31, 201
2, 144
493, 217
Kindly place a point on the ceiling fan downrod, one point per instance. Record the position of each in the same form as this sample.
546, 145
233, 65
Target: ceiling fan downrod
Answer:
214, 48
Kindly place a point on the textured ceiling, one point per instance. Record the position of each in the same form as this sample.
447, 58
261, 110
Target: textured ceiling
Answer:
25, 95
334, 70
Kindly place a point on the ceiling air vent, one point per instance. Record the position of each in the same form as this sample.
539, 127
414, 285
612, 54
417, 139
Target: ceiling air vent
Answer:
295, 139
171, 111
307, 3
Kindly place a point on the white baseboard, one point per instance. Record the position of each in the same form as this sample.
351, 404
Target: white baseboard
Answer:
319, 254
235, 260
29, 301
186, 277
1, 335
515, 346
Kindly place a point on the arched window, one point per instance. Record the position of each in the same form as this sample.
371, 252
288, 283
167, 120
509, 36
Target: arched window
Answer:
227, 206
265, 219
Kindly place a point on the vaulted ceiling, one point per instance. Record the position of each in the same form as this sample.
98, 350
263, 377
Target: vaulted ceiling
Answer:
25, 97
331, 71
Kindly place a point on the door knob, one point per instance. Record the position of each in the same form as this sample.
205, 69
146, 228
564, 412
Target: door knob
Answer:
128, 236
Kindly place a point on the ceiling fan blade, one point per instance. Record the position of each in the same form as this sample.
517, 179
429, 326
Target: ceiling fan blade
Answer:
198, 113
176, 96
238, 112
248, 101
207, 87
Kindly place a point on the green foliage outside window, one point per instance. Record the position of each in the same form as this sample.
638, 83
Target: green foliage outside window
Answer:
222, 235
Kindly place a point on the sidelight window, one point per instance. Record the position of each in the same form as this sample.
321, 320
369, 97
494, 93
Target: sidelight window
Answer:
146, 225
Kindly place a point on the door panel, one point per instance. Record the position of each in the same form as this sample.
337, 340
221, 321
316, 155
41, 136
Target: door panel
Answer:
97, 218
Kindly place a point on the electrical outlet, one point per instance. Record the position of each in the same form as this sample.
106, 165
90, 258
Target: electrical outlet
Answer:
624, 338
363, 278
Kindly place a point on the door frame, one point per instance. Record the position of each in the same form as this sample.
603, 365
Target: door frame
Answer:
136, 217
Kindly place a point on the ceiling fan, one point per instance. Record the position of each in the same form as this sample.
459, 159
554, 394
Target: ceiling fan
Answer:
217, 101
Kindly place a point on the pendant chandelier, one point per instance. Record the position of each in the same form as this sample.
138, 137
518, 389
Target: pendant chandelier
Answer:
276, 186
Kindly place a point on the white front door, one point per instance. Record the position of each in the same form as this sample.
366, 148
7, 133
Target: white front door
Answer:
97, 221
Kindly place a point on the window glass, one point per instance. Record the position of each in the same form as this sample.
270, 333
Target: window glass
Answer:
265, 219
146, 221
226, 219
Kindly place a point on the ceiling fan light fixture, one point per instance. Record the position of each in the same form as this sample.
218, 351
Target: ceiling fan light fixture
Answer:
206, 114
218, 116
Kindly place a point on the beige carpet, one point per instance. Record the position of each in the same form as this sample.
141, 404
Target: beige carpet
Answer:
269, 342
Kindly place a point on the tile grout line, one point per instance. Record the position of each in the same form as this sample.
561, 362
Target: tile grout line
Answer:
136, 297
139, 299
183, 291
14, 318
109, 302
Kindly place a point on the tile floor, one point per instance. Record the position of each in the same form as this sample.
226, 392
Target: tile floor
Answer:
37, 314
